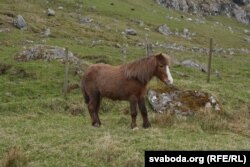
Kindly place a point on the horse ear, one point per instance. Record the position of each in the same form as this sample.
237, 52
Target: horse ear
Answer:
159, 56
163, 57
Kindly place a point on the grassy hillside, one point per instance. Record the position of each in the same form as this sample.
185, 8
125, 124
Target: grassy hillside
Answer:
47, 128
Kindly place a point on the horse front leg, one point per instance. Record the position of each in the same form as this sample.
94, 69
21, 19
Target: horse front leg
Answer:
144, 113
133, 110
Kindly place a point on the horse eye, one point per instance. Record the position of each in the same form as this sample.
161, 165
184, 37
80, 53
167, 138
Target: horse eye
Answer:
161, 66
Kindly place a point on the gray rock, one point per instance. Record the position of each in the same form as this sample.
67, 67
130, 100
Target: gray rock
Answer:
247, 39
117, 45
190, 63
231, 8
47, 32
140, 22
208, 105
45, 52
241, 2
217, 108
130, 31
86, 20
185, 32
4, 30
246, 31
96, 42
20, 23
212, 100
60, 8
164, 29
241, 15
51, 12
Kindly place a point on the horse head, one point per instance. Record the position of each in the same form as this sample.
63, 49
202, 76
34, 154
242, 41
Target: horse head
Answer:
162, 68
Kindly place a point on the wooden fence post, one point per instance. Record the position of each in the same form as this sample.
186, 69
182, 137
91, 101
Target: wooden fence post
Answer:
210, 60
66, 78
146, 44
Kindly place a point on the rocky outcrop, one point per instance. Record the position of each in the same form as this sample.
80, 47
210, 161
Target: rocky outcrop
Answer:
164, 29
45, 52
184, 102
240, 9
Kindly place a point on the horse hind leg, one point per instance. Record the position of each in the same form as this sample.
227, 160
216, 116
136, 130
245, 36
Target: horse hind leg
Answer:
93, 107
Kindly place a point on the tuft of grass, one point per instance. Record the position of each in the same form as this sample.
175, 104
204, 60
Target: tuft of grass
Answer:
108, 149
15, 157
210, 120
164, 119
239, 120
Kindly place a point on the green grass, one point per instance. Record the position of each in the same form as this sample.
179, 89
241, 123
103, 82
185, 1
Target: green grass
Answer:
36, 118
59, 139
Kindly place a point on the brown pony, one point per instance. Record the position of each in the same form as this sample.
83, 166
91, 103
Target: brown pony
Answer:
126, 82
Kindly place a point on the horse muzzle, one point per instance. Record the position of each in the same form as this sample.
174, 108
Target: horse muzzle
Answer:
169, 81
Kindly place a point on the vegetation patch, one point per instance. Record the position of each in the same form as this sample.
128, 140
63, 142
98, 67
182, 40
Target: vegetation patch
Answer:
4, 68
15, 157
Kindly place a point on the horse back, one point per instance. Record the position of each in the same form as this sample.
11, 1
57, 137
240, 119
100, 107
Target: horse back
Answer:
111, 82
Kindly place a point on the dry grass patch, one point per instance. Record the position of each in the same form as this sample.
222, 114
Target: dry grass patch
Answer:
14, 157
107, 149
239, 121
164, 119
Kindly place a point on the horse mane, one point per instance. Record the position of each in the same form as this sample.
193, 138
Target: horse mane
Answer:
141, 70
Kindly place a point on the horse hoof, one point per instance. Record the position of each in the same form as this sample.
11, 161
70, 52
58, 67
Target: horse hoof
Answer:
135, 128
146, 125
97, 125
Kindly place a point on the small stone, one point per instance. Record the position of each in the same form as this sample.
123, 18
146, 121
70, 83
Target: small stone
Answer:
29, 41
208, 105
86, 20
164, 29
212, 100
185, 32
20, 22
130, 31
246, 31
117, 45
247, 39
178, 104
60, 8
46, 33
217, 108
51, 12
4, 30
154, 98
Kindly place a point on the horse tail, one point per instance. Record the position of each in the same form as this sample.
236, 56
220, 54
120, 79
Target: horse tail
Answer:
85, 95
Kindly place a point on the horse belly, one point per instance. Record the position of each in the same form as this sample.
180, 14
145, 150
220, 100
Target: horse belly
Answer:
112, 91
121, 90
